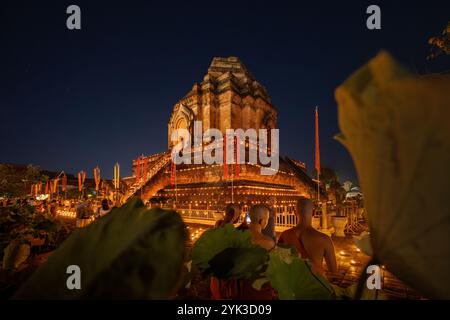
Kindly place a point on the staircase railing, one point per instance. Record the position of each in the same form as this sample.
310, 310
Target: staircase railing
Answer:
159, 164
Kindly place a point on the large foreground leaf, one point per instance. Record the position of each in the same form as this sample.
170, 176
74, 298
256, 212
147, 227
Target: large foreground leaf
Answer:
132, 253
293, 278
349, 293
228, 253
15, 254
396, 128
239, 263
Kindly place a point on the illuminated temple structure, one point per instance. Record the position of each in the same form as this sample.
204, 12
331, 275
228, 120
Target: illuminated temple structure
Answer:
228, 97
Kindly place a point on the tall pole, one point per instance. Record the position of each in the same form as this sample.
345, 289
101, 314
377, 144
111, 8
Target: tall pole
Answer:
317, 158
176, 192
141, 169
232, 188
173, 176
116, 181
318, 187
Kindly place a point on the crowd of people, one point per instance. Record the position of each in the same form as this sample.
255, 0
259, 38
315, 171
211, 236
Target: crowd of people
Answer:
260, 221
41, 206
82, 209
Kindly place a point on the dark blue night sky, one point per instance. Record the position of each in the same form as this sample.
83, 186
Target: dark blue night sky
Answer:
71, 100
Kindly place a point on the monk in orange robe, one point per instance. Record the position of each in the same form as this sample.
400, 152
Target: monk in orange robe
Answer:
310, 243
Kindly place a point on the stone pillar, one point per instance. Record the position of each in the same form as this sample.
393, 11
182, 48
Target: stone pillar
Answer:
324, 216
284, 216
326, 228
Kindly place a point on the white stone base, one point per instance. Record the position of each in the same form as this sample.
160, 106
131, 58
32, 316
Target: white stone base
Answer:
339, 224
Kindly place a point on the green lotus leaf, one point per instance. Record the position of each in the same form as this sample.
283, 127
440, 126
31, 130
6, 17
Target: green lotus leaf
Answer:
132, 253
214, 241
395, 126
293, 278
239, 263
15, 254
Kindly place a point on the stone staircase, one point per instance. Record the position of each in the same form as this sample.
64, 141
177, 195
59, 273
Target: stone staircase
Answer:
160, 163
298, 169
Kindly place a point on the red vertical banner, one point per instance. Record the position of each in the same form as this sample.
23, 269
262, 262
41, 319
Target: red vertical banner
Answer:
237, 168
97, 178
81, 178
40, 186
46, 188
32, 190
138, 170
79, 182
55, 185
64, 183
144, 174
317, 159
173, 169
225, 164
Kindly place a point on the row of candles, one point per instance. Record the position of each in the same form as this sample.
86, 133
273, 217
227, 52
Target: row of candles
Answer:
67, 214
353, 261
344, 254
194, 233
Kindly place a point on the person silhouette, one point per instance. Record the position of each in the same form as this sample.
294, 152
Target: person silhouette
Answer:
310, 243
259, 217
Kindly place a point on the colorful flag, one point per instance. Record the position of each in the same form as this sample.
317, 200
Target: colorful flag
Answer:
173, 169
79, 182
138, 170
97, 178
64, 183
116, 176
55, 185
81, 178
144, 173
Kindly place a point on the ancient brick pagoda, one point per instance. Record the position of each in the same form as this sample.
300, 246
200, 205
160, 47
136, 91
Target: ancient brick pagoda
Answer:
228, 97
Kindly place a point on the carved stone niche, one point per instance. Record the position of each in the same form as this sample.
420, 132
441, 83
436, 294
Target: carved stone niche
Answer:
269, 121
182, 118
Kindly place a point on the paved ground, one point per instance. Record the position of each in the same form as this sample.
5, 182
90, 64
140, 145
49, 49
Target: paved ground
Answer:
352, 262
